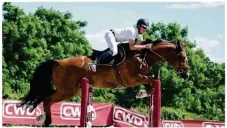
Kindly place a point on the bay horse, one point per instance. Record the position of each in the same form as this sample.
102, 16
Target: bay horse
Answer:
65, 74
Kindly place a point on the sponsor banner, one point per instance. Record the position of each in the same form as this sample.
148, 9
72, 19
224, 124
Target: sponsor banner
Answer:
63, 113
213, 125
126, 118
172, 124
14, 115
68, 113
191, 123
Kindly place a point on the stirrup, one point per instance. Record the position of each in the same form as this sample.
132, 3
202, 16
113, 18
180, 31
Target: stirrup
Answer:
92, 67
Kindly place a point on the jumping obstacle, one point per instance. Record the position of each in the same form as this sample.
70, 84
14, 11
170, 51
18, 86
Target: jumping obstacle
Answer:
154, 115
86, 103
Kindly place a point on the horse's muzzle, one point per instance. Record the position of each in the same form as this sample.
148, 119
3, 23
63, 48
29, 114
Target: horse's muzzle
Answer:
183, 73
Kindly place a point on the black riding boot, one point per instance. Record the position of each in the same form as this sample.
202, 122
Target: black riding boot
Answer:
104, 56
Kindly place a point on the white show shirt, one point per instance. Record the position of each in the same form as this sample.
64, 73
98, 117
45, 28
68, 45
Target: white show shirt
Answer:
126, 34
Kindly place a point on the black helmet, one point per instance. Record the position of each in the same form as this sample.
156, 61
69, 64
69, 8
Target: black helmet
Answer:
143, 22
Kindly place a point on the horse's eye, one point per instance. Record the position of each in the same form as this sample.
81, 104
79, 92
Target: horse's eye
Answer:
180, 70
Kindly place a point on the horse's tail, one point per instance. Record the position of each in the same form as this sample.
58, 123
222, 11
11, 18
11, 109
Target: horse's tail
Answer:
40, 85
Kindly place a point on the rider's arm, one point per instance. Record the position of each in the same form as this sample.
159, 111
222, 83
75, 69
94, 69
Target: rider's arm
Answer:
136, 45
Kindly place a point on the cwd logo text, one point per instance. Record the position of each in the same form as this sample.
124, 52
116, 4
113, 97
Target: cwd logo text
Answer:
213, 125
69, 111
130, 118
172, 124
10, 110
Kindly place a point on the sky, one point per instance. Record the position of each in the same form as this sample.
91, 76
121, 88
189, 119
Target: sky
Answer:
204, 20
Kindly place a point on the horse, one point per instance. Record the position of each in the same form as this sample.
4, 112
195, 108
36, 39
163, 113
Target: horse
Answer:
131, 70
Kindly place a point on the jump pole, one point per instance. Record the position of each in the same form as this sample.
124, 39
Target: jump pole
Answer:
154, 115
86, 100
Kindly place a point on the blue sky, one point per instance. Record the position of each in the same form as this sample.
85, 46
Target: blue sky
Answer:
205, 20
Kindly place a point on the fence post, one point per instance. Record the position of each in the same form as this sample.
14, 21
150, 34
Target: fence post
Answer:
154, 115
156, 103
86, 100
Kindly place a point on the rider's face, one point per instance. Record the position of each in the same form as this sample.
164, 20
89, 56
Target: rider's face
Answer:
142, 29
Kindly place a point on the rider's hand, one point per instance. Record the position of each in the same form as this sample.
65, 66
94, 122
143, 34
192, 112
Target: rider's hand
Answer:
148, 46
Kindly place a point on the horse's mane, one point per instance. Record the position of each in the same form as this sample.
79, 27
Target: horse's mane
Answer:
163, 42
160, 43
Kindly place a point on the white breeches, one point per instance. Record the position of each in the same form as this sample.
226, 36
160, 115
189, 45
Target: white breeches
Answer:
111, 42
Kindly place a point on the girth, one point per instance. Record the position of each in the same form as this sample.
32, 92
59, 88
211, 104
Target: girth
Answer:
119, 81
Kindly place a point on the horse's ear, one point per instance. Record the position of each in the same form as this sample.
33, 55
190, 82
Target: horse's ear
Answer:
179, 46
178, 43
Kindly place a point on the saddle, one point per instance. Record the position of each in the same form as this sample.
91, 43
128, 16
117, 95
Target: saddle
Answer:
111, 61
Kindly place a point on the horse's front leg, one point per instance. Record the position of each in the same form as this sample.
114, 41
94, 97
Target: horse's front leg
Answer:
147, 81
142, 80
145, 93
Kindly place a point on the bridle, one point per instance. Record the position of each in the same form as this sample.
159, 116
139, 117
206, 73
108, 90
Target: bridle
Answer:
180, 56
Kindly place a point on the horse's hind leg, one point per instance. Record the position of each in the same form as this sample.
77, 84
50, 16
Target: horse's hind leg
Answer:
54, 98
51, 99
47, 108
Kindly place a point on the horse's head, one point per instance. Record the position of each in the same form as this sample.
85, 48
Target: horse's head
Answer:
172, 52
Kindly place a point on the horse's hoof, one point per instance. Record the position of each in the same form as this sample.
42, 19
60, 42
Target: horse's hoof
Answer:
142, 94
47, 121
31, 109
41, 117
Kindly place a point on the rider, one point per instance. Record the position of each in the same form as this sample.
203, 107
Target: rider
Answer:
132, 35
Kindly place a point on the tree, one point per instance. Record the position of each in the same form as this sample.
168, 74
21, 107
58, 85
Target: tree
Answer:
31, 39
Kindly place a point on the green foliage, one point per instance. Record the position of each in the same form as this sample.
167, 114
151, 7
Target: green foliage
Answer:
29, 39
179, 114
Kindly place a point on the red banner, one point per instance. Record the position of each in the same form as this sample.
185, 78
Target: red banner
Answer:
127, 118
66, 113
63, 113
13, 115
192, 123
